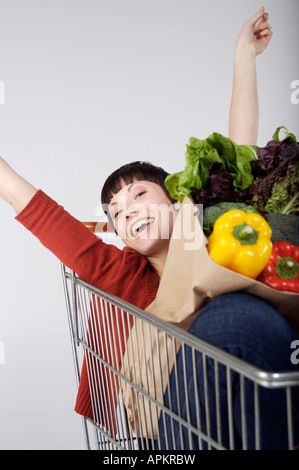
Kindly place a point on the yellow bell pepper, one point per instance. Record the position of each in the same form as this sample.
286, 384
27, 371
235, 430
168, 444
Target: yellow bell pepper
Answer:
241, 241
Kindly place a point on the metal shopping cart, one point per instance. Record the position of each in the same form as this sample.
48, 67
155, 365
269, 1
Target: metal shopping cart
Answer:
129, 411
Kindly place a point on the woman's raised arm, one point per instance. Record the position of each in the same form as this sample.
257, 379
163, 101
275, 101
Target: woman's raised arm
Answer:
13, 188
244, 112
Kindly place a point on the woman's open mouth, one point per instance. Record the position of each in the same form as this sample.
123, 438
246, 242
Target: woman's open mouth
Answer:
141, 226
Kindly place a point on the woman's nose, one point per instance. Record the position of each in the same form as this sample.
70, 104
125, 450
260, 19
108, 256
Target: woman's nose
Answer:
132, 211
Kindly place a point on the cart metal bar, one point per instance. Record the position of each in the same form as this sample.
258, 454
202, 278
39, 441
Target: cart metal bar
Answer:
74, 343
262, 377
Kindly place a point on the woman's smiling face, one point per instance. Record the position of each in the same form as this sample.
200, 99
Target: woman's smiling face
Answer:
143, 217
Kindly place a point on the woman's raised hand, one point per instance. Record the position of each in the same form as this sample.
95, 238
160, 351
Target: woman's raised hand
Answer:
255, 34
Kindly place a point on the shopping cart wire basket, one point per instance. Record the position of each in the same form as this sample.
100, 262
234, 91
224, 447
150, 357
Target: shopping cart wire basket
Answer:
132, 406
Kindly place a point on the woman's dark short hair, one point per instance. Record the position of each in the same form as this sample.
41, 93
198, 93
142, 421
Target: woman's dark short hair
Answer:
140, 171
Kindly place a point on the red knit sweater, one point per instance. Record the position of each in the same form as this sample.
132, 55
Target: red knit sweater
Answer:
123, 273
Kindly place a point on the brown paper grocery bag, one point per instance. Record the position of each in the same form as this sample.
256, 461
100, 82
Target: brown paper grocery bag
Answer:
190, 280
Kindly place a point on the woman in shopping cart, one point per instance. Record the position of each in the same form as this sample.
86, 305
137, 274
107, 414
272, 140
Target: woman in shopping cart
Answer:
256, 332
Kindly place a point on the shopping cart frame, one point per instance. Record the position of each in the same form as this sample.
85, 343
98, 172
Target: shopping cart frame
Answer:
103, 440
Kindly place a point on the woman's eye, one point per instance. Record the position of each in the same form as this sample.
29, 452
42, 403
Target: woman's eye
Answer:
116, 214
140, 194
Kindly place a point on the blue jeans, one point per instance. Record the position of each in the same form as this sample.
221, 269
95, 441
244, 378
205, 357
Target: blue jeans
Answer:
249, 328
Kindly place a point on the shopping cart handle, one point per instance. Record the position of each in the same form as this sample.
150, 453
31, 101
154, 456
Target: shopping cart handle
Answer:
99, 227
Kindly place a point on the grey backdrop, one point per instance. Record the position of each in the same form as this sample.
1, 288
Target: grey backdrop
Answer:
90, 85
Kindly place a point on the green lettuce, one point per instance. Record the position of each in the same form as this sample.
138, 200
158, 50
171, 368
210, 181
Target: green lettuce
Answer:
287, 134
276, 184
201, 157
284, 197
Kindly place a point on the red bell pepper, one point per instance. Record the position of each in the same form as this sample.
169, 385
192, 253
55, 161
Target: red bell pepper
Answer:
282, 270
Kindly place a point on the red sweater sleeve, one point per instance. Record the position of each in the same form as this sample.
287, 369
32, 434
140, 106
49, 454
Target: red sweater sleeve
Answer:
104, 266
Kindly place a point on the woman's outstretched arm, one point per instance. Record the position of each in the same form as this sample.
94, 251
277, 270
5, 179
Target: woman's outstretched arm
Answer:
244, 111
13, 188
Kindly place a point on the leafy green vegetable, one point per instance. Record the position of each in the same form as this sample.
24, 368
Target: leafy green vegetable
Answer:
287, 134
285, 227
218, 170
285, 194
203, 157
276, 183
211, 213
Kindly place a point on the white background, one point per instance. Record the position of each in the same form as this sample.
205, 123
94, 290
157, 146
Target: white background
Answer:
91, 85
